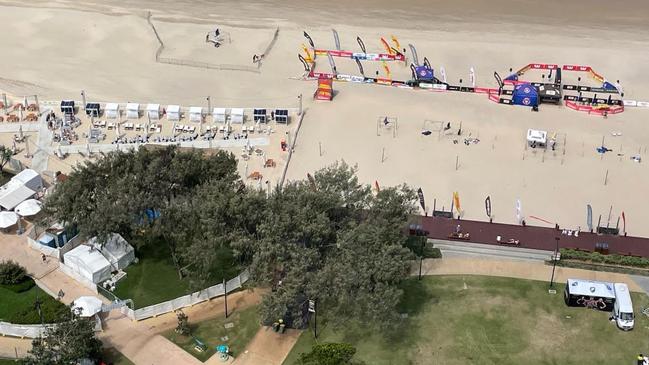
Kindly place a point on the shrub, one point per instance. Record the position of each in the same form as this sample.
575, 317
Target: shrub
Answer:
21, 287
12, 273
597, 257
329, 354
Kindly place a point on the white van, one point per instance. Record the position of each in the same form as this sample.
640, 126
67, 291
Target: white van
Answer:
623, 307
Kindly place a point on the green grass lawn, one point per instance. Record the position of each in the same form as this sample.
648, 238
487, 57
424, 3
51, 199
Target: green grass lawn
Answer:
18, 308
10, 362
154, 278
494, 321
246, 324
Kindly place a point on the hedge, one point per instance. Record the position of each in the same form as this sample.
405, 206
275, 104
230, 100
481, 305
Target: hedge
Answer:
596, 257
430, 252
20, 287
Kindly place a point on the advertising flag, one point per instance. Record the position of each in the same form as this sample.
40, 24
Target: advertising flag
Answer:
420, 193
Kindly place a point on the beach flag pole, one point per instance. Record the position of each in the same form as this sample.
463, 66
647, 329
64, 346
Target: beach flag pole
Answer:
4, 102
83, 100
299, 111
320, 148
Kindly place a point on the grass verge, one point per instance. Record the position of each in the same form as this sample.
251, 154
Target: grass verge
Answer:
211, 332
455, 320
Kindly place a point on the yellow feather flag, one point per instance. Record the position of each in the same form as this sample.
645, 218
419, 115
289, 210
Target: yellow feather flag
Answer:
456, 200
388, 75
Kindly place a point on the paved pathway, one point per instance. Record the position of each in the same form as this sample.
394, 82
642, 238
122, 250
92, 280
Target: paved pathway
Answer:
266, 348
452, 249
516, 269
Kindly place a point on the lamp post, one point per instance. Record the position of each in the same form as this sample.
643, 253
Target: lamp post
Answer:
554, 262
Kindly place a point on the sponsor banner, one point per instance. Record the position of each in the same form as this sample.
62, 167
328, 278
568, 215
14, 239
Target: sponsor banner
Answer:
372, 56
630, 103
346, 53
576, 68
467, 89
484, 90
383, 81
452, 88
402, 86
643, 104
505, 101
342, 77
357, 79
359, 56
543, 66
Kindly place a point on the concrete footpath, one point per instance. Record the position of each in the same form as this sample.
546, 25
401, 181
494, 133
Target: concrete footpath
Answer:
532, 270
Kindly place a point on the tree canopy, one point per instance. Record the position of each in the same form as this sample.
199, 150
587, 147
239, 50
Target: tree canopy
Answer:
327, 238
331, 239
66, 343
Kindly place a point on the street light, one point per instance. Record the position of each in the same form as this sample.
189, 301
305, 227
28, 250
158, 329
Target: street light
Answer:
554, 262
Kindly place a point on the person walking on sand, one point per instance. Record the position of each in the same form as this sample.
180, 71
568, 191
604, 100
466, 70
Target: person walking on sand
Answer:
43, 257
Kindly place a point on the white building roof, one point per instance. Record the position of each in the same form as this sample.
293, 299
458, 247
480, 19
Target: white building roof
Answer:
112, 106
591, 288
153, 107
88, 262
173, 108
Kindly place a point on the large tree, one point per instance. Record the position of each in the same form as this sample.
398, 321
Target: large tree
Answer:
330, 239
114, 193
65, 343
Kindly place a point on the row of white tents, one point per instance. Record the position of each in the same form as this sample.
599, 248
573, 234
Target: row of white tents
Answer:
173, 112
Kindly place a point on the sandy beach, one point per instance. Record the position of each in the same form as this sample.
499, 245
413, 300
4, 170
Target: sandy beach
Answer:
111, 55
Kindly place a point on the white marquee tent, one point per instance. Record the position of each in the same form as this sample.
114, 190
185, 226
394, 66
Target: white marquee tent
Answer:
218, 115
153, 111
132, 110
236, 115
111, 111
173, 112
119, 253
88, 263
195, 114
20, 188
96, 264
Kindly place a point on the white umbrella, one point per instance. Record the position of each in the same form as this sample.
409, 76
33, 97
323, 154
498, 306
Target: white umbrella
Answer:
8, 219
87, 306
28, 207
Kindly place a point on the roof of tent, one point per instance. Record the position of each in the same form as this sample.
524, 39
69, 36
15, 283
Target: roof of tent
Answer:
92, 259
153, 107
14, 193
94, 106
237, 111
196, 110
132, 106
173, 108
114, 248
25, 175
112, 106
218, 111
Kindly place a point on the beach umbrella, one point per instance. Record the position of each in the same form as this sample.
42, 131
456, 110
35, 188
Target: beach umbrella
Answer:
8, 219
519, 214
28, 208
20, 131
87, 306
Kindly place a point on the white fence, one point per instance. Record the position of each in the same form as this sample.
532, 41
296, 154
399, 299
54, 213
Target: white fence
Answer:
90, 148
187, 300
22, 330
48, 251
